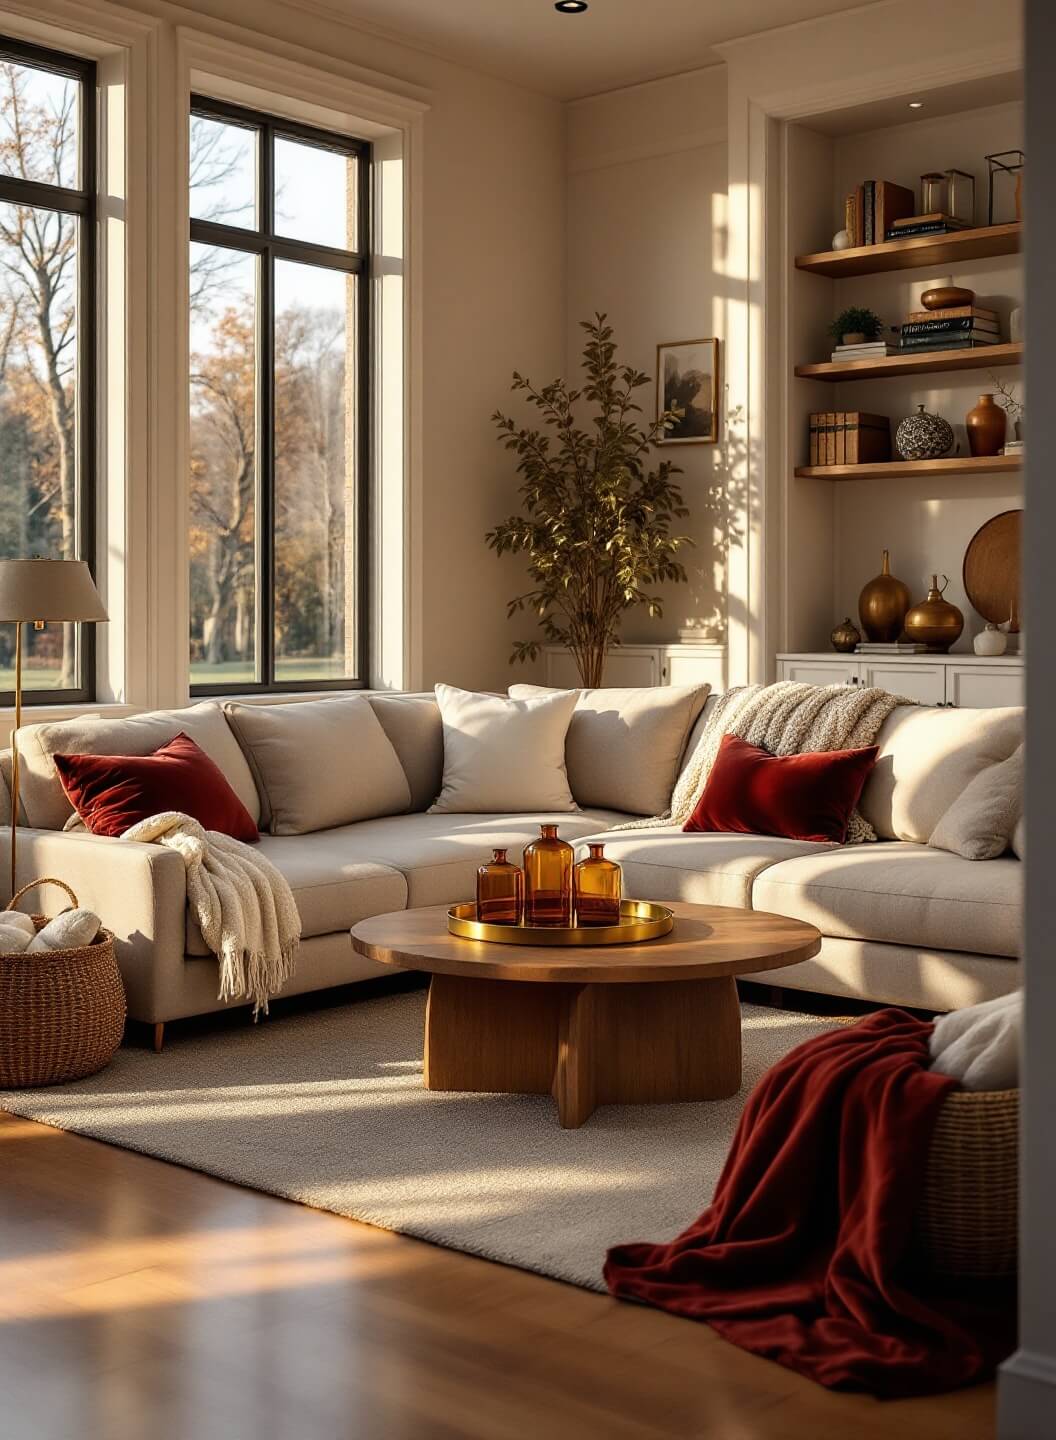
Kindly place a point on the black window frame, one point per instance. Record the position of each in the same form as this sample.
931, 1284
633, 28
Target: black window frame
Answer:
268, 245
82, 202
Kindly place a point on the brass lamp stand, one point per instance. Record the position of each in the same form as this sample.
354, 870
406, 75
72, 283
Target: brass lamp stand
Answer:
38, 591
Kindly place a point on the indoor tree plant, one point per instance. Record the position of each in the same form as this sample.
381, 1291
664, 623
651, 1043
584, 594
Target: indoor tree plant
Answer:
597, 518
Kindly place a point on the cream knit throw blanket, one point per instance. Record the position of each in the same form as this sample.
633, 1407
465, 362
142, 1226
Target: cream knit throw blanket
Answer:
244, 906
788, 718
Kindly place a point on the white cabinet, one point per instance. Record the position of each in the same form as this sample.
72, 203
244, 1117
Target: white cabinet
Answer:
984, 684
960, 680
635, 665
923, 682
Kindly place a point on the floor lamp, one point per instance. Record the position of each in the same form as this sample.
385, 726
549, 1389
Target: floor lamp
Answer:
39, 591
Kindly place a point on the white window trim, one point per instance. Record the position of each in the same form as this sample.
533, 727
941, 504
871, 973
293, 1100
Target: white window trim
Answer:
333, 98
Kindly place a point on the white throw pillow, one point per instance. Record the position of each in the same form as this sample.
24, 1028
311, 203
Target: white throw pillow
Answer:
624, 746
320, 763
980, 822
503, 756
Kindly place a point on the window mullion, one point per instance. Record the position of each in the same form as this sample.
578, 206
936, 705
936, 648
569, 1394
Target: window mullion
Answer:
266, 478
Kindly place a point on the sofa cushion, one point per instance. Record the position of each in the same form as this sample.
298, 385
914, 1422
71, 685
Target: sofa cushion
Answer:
320, 763
111, 793
927, 756
45, 802
980, 823
333, 890
668, 863
413, 725
502, 754
801, 797
624, 746
903, 894
437, 854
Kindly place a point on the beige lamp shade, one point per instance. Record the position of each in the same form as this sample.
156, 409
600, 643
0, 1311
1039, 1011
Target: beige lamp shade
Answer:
48, 590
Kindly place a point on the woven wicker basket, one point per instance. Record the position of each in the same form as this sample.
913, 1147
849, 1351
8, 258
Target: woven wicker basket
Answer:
62, 1012
968, 1222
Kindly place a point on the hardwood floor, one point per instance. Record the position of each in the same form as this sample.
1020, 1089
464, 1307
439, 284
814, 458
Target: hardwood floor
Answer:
139, 1301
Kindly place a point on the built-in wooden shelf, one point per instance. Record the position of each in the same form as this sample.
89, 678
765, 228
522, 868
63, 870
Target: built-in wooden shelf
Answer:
983, 357
919, 251
903, 469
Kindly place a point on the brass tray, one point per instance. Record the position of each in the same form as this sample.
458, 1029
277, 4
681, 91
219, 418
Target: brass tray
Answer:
639, 920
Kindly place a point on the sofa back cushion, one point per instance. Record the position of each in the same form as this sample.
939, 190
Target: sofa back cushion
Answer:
624, 746
927, 757
504, 756
45, 802
416, 731
319, 763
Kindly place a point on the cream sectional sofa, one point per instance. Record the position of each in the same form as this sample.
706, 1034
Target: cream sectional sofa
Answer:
903, 923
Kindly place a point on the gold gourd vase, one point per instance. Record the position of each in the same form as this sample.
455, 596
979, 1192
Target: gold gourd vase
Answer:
935, 622
883, 604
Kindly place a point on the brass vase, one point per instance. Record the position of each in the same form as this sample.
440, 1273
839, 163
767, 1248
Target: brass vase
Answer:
935, 622
882, 605
986, 423
845, 636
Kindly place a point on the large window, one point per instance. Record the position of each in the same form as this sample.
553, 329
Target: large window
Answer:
47, 284
280, 346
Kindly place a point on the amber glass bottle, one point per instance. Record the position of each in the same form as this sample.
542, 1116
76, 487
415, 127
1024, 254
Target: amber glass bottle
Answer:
598, 889
500, 891
548, 880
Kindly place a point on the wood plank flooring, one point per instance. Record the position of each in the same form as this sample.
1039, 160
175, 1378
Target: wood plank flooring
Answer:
140, 1301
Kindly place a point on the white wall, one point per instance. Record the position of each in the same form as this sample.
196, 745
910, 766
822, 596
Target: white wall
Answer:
646, 245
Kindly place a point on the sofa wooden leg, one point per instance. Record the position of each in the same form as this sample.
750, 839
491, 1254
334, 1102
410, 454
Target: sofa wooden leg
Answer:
159, 1037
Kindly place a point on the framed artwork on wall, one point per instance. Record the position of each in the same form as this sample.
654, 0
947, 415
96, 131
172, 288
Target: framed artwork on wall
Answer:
687, 376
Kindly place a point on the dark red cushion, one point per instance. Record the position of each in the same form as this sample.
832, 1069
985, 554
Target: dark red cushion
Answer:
112, 792
801, 797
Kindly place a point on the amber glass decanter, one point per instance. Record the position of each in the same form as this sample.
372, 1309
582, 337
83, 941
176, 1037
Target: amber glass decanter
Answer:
548, 880
598, 889
500, 891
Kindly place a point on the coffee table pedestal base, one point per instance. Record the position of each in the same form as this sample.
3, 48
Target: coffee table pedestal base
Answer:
587, 1045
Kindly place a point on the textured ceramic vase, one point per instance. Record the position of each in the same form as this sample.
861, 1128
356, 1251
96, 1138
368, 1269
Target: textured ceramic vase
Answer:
548, 865
986, 423
935, 622
500, 891
845, 636
598, 888
882, 605
923, 436
990, 642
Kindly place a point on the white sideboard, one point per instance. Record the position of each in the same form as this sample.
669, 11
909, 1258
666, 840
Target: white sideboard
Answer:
634, 665
930, 679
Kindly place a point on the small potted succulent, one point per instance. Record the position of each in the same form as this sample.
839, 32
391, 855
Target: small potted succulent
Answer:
855, 326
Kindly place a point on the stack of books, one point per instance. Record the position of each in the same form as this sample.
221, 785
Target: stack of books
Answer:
849, 437
934, 224
960, 327
873, 207
896, 647
867, 350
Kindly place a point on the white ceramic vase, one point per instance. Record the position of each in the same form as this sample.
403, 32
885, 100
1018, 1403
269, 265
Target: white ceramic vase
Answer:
990, 642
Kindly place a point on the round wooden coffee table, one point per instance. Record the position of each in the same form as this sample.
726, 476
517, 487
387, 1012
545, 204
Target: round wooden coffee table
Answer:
591, 1025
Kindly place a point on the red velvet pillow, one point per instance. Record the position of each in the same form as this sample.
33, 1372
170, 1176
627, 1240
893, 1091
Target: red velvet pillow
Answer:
112, 792
801, 797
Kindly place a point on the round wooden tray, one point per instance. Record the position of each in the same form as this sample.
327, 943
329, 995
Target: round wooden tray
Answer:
992, 568
639, 920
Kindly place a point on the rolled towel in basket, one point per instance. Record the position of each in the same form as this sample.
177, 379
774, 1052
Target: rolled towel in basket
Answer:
16, 931
68, 931
980, 1046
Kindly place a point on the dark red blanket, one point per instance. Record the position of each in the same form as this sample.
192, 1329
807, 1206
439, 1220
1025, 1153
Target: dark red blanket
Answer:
804, 1255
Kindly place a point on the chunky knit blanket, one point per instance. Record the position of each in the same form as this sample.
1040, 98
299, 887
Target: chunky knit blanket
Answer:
788, 718
244, 907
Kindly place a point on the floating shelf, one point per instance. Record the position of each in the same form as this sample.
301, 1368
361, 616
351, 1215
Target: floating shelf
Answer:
983, 357
921, 250
903, 469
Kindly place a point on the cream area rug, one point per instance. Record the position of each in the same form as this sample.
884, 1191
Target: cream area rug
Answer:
328, 1108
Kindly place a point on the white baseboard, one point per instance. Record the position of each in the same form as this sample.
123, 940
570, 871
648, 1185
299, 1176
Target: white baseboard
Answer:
1026, 1396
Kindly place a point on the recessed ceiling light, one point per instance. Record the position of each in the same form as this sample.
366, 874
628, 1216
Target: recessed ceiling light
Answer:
570, 7
916, 104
